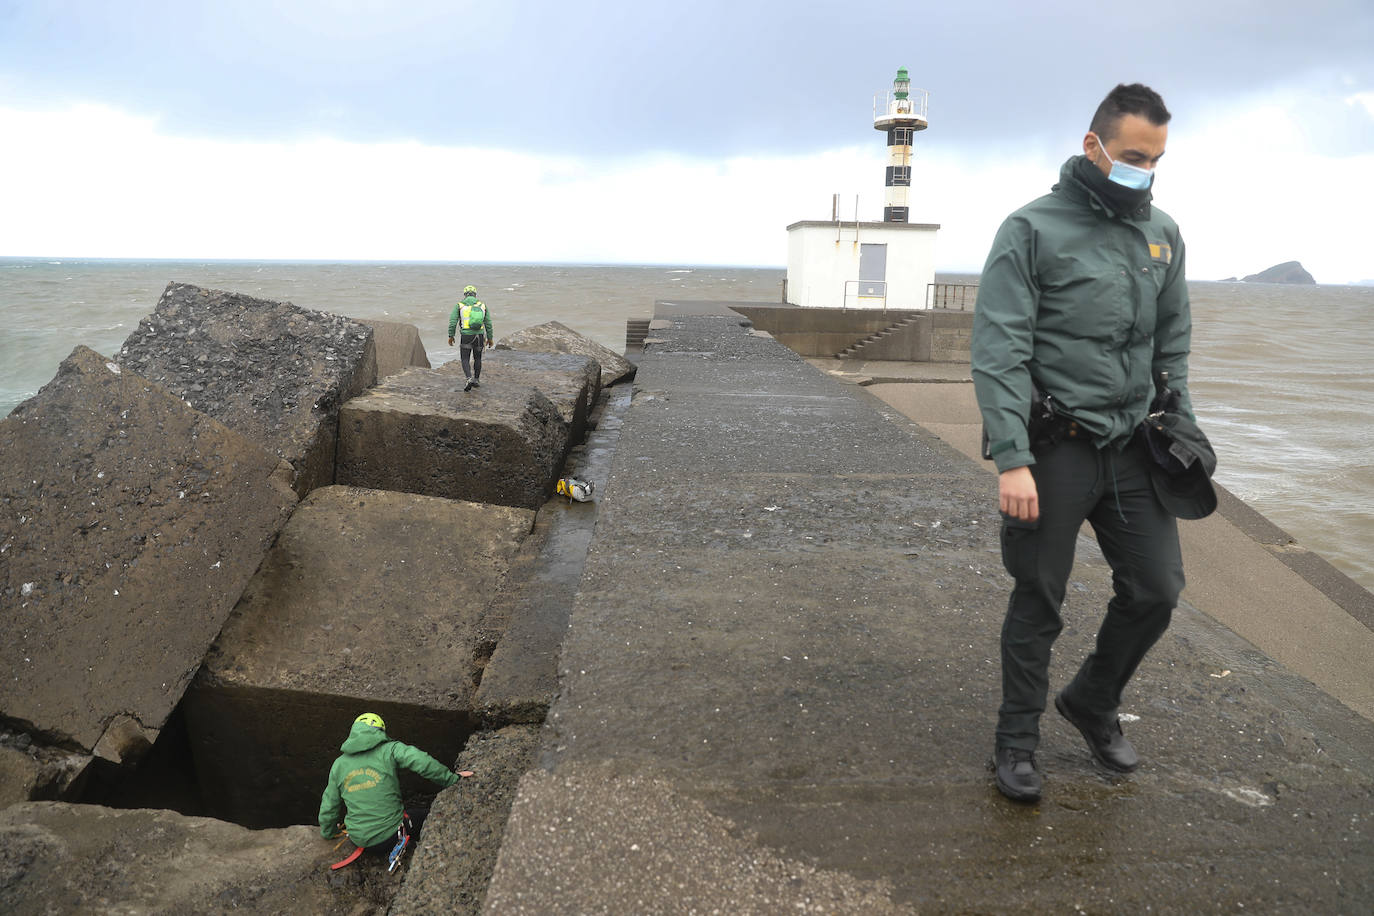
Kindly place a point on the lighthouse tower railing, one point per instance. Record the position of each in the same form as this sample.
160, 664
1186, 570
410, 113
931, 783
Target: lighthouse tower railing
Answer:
886, 106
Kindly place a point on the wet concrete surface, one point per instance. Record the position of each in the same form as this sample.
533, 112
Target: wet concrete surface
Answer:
528, 616
780, 681
1243, 570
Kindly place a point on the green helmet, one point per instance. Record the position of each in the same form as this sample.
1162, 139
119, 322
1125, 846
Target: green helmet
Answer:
469, 291
371, 718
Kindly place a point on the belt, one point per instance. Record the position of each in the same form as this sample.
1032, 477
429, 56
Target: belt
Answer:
1057, 429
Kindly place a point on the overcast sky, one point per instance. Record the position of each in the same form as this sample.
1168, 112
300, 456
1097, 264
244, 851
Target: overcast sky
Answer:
687, 133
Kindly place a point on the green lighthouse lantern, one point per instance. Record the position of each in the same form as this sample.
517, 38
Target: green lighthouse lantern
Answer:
901, 86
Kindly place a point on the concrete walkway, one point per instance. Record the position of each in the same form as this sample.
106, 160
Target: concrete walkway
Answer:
1242, 570
780, 678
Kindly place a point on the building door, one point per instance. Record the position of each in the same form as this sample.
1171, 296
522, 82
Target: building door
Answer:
872, 272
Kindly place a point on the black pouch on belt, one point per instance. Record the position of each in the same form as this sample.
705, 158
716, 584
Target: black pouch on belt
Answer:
1046, 425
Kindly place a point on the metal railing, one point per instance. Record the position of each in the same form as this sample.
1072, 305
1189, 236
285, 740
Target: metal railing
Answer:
886, 105
857, 290
955, 296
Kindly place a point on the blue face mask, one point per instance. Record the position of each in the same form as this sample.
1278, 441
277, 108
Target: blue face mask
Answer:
1127, 175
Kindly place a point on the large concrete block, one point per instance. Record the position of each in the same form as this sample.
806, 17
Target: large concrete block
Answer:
369, 601
571, 381
269, 370
420, 432
555, 337
31, 772
62, 858
398, 346
457, 850
129, 526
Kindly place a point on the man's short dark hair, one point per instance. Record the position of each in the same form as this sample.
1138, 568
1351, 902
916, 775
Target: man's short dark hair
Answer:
1134, 99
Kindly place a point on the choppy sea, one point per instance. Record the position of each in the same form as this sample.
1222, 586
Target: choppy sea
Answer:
1280, 374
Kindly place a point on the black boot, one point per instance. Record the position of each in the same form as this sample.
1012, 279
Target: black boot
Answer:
1108, 745
1018, 775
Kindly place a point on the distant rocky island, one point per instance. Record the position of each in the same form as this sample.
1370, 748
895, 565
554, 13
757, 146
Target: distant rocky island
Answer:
1287, 272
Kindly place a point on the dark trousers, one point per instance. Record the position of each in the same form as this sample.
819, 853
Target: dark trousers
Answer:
471, 345
409, 825
1111, 490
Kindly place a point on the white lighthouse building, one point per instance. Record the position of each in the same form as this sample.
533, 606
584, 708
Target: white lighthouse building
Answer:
874, 265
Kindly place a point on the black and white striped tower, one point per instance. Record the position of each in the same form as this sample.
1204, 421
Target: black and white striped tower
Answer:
899, 113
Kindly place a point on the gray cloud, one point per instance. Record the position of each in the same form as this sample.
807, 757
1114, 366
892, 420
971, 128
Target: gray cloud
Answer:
608, 77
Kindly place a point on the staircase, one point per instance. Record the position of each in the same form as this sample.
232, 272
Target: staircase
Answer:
854, 351
636, 329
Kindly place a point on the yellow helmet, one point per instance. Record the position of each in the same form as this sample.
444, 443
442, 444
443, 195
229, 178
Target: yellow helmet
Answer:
371, 718
469, 291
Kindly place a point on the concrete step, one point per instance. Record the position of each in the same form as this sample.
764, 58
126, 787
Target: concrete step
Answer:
636, 329
856, 348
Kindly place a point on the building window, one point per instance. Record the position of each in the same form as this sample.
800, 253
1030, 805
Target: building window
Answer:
900, 136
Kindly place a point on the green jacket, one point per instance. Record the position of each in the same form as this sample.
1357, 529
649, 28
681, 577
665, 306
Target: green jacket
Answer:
363, 790
458, 310
1092, 304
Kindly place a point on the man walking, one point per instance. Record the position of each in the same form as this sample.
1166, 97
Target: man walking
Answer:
472, 319
1081, 306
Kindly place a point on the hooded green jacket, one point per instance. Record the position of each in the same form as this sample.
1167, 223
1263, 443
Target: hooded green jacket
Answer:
453, 317
1089, 302
363, 783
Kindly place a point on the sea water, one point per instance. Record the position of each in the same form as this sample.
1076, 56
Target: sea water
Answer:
1279, 374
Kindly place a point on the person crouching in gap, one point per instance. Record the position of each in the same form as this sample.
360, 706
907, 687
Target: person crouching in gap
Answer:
364, 791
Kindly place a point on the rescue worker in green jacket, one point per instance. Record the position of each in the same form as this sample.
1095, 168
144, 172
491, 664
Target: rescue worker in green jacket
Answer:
1081, 305
472, 320
363, 791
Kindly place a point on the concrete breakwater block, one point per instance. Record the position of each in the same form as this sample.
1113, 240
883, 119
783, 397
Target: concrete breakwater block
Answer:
420, 432
62, 858
269, 370
31, 772
556, 337
457, 851
572, 382
370, 601
129, 526
398, 346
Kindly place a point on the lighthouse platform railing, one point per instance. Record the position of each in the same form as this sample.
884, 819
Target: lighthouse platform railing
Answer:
886, 106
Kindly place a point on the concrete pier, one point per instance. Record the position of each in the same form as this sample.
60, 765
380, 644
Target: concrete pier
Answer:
758, 673
779, 685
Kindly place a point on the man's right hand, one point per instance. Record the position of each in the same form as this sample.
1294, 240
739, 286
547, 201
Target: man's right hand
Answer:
450, 341
1017, 495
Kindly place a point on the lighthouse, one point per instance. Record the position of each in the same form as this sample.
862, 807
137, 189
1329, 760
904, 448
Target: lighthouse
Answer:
858, 264
899, 113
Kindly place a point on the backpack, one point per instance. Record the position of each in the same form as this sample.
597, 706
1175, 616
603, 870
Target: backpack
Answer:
474, 316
